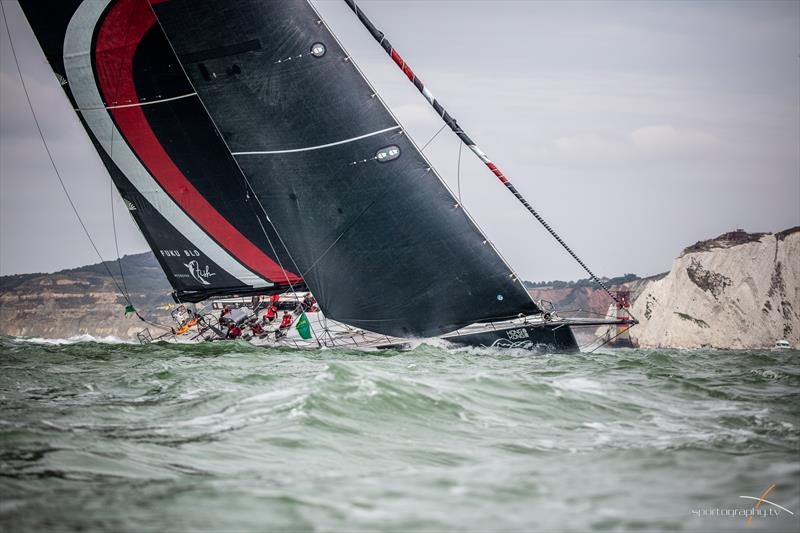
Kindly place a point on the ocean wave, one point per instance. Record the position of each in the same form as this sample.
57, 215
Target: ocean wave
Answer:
299, 438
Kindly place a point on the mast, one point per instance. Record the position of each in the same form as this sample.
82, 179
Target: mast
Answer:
453, 125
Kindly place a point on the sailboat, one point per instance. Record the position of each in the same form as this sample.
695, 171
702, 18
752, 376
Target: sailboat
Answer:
256, 159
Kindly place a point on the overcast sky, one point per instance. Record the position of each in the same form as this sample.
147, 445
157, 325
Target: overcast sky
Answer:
635, 128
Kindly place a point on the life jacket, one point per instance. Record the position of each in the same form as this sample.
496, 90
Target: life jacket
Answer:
256, 328
183, 329
286, 321
234, 332
274, 298
271, 312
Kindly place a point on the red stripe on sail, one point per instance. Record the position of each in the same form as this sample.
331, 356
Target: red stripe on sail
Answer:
119, 36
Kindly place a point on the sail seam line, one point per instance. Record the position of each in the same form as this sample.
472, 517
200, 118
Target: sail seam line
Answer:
137, 104
319, 146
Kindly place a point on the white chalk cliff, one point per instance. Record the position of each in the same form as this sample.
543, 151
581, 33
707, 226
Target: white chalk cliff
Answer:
735, 292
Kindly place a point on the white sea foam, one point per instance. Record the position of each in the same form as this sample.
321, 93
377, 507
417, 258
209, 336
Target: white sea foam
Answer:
75, 339
579, 384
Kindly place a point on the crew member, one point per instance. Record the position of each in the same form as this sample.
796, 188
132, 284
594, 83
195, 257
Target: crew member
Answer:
286, 322
234, 332
272, 313
308, 302
258, 303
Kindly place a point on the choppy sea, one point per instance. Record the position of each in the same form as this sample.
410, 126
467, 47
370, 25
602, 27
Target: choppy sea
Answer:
104, 436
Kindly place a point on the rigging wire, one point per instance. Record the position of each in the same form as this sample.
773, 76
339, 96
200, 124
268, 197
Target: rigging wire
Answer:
111, 182
560, 240
587, 311
50, 155
338, 238
432, 138
610, 339
116, 242
280, 264
113, 217
322, 321
458, 170
58, 174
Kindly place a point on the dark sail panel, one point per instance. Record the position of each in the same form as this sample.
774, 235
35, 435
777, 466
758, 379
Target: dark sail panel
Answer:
377, 237
163, 152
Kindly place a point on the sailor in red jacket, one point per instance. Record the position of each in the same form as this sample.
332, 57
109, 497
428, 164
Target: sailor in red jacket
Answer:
271, 314
234, 332
286, 322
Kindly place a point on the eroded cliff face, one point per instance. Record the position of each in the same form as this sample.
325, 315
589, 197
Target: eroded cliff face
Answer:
58, 307
735, 292
83, 301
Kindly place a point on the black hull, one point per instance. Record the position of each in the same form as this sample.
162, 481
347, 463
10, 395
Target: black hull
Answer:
541, 338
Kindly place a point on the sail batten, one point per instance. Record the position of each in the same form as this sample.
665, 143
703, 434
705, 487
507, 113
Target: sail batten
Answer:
307, 148
137, 104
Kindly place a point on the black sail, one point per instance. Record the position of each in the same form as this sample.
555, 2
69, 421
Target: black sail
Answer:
161, 148
376, 235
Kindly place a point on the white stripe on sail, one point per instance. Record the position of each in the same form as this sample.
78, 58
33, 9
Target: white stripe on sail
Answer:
319, 146
78, 66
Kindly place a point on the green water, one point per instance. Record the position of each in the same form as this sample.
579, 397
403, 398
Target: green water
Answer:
229, 437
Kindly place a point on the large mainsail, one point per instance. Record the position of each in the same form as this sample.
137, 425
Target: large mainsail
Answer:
374, 232
161, 148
